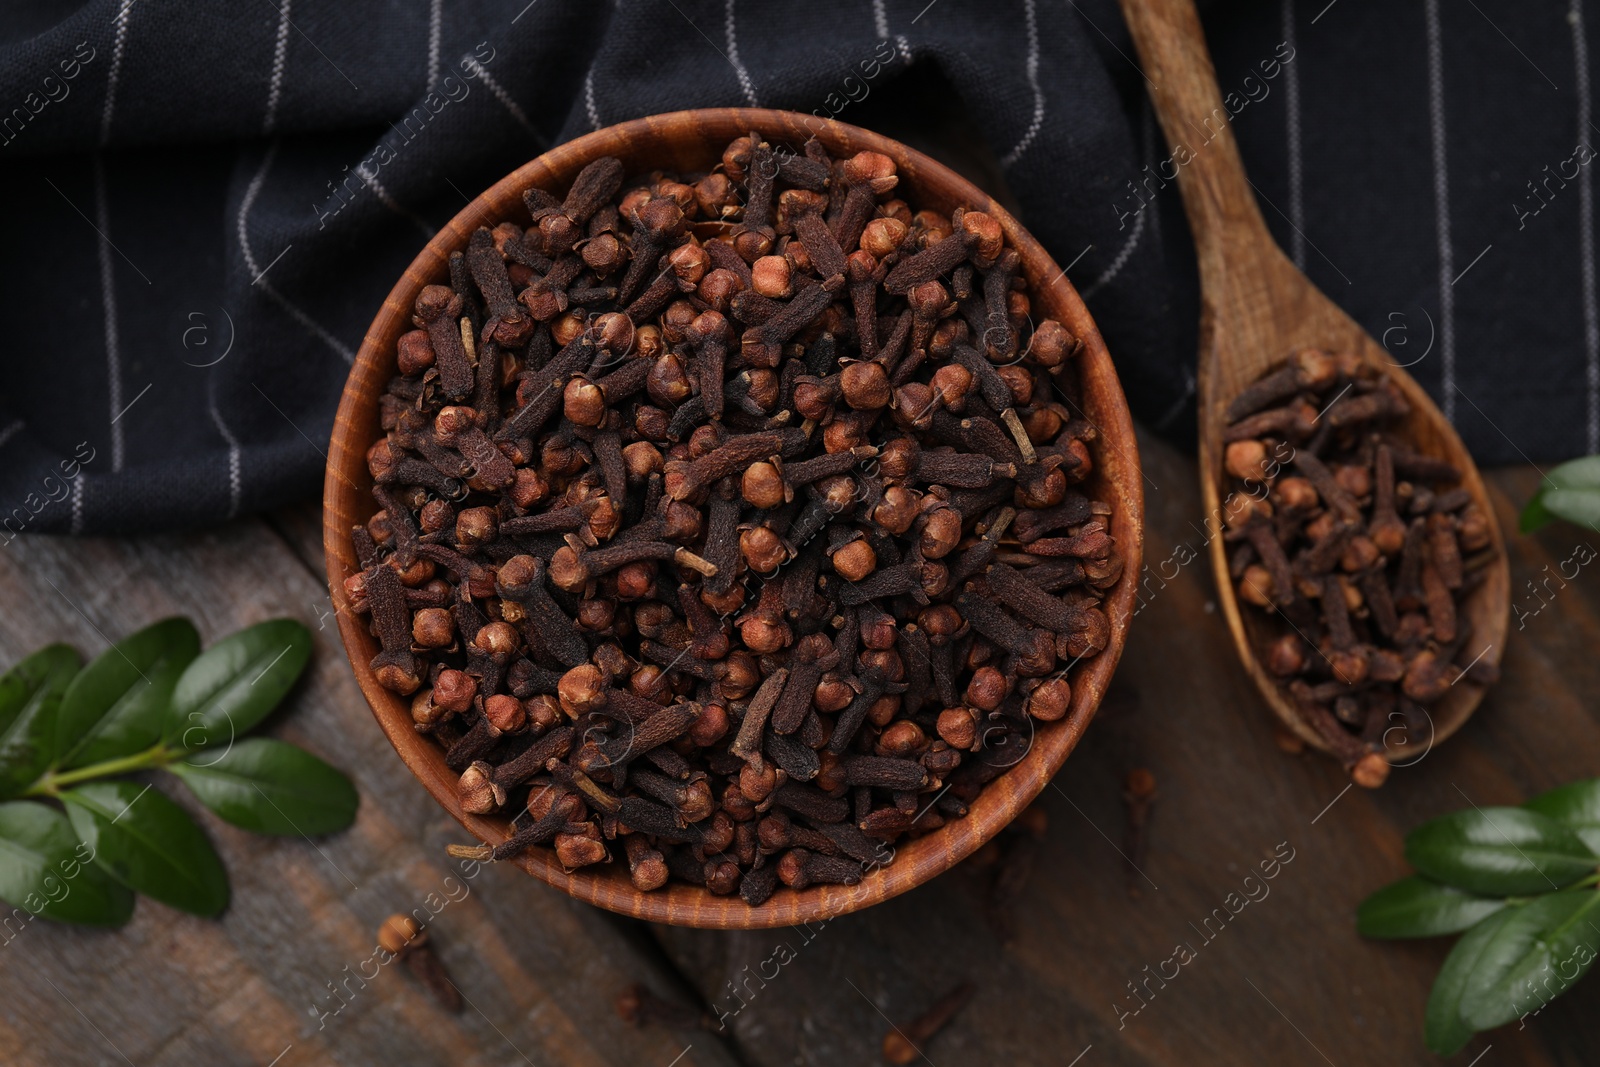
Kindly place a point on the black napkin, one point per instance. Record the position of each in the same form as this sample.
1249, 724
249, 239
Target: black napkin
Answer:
207, 201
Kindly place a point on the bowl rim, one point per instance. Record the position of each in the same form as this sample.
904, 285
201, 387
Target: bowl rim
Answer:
1117, 478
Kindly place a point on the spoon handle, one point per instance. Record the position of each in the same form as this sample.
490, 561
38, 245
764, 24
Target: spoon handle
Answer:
1217, 197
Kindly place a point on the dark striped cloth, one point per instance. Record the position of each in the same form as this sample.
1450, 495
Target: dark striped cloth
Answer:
205, 202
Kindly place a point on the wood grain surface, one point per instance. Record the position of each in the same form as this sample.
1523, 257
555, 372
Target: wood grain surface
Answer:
1256, 308
537, 969
540, 970
689, 141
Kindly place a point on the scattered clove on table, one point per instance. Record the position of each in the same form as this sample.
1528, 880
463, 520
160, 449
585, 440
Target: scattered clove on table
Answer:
1358, 551
734, 525
402, 937
1139, 794
638, 1006
903, 1044
1015, 855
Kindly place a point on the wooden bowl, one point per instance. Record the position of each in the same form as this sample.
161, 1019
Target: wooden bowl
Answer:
687, 141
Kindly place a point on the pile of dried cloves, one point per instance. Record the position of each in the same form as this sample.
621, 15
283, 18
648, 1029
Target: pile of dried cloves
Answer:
1361, 548
727, 521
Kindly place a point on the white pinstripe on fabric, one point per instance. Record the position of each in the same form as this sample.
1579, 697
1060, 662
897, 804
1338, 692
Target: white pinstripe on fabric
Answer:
435, 29
1148, 149
242, 223
1291, 92
733, 58
1122, 256
108, 305
369, 178
880, 22
588, 98
77, 503
102, 212
1031, 65
1441, 210
388, 201
235, 472
115, 74
1591, 312
500, 93
1171, 414
280, 55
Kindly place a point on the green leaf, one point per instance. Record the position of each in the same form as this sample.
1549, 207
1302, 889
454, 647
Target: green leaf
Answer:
30, 698
1580, 473
1576, 805
1535, 516
235, 683
149, 844
1421, 907
1538, 953
116, 706
1581, 506
1446, 1032
1499, 852
271, 788
1571, 491
45, 871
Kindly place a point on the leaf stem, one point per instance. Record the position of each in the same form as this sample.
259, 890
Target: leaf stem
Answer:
1583, 883
53, 782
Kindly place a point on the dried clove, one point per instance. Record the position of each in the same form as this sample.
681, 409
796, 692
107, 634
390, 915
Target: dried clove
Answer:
1139, 794
903, 1045
1361, 576
637, 1006
710, 525
401, 937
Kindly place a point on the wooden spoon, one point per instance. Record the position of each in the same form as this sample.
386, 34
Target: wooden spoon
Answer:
1256, 308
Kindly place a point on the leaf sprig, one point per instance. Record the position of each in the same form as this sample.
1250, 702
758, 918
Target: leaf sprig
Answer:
1570, 491
77, 841
1522, 882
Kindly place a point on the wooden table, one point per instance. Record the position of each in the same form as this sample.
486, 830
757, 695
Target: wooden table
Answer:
1285, 981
